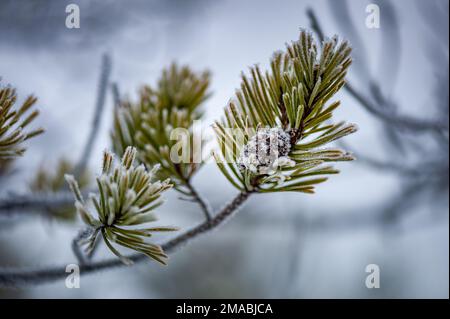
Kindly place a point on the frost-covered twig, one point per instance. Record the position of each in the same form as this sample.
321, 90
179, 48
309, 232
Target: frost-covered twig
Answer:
99, 106
16, 277
77, 243
76, 248
204, 205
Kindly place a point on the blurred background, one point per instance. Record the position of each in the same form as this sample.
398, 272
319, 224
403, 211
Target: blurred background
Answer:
389, 208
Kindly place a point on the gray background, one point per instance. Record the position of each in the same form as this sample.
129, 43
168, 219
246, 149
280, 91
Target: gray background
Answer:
280, 245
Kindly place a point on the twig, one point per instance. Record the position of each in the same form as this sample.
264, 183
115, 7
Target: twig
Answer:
76, 247
401, 121
116, 94
45, 275
403, 170
13, 204
200, 200
99, 106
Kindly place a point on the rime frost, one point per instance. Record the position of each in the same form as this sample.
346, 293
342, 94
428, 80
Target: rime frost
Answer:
266, 151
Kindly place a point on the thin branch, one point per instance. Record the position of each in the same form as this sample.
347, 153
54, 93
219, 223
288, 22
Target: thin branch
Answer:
389, 213
99, 106
76, 247
45, 275
402, 121
196, 197
84, 256
116, 94
204, 205
398, 168
13, 204
315, 24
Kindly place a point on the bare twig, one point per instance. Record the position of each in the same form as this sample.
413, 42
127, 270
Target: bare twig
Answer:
99, 106
45, 275
401, 121
390, 166
14, 204
76, 247
116, 94
204, 205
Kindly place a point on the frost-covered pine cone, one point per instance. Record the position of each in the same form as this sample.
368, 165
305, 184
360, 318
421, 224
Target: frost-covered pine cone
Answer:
266, 151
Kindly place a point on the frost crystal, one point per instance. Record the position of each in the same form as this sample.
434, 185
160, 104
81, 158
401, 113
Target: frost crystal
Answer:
266, 151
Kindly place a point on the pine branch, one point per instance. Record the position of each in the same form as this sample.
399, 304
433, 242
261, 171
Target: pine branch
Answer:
148, 123
13, 278
14, 124
273, 134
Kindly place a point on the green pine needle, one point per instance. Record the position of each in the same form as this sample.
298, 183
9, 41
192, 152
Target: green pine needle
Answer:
286, 107
127, 197
14, 122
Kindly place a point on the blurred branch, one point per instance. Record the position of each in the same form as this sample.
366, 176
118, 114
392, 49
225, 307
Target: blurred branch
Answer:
196, 197
99, 107
400, 121
390, 48
44, 275
116, 94
383, 165
17, 204
389, 213
76, 246
342, 15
